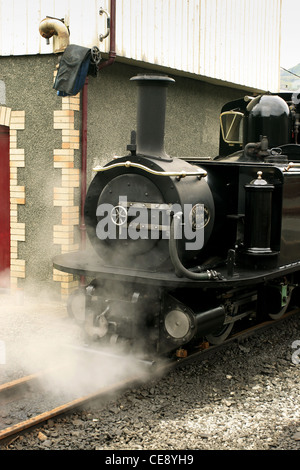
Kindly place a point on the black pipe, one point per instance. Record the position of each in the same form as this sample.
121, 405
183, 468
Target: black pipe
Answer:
180, 270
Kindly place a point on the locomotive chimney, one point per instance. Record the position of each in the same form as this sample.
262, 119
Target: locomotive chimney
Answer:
151, 111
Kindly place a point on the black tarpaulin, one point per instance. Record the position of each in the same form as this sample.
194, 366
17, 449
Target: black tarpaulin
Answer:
73, 70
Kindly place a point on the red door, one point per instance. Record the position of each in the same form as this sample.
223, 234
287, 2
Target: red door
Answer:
4, 207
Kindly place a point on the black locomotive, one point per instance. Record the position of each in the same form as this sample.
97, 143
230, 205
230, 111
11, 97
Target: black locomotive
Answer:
181, 250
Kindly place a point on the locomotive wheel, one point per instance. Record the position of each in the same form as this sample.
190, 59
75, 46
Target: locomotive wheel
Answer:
219, 336
281, 312
277, 316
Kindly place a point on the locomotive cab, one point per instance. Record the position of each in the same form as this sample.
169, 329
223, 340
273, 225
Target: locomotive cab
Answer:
257, 127
260, 136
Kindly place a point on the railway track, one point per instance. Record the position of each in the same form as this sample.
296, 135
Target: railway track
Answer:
19, 390
26, 395
19, 427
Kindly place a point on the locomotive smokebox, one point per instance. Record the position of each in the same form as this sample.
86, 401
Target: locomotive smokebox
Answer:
151, 111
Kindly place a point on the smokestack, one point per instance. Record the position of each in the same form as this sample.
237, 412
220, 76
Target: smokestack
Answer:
151, 112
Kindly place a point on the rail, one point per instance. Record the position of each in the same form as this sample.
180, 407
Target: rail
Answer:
20, 386
7, 434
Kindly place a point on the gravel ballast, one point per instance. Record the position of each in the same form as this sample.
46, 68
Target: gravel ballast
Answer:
244, 397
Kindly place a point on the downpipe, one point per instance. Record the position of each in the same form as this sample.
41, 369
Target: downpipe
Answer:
110, 61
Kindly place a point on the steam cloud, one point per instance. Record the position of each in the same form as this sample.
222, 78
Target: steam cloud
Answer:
37, 334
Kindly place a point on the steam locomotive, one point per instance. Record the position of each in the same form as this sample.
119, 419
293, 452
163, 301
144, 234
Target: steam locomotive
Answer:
181, 251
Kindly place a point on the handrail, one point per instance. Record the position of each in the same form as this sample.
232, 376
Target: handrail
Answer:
179, 174
103, 36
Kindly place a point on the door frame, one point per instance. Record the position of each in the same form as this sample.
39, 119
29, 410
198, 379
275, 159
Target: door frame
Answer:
4, 206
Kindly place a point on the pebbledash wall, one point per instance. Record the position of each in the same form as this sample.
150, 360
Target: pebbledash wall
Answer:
44, 173
45, 152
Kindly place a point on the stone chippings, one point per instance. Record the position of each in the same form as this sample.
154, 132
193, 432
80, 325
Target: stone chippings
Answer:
245, 397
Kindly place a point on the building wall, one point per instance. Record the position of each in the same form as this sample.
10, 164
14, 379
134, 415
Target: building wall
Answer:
192, 115
233, 41
236, 41
45, 151
41, 158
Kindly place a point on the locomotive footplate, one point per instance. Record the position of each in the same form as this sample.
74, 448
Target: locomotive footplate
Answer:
88, 263
156, 312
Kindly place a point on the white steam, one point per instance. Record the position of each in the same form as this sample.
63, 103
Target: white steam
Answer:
37, 334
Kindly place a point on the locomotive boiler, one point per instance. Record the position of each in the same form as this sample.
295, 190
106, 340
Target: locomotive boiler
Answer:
184, 250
